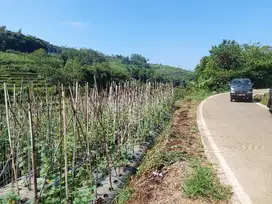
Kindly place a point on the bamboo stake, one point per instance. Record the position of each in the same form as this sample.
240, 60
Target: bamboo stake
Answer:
87, 130
33, 150
75, 129
21, 90
79, 126
10, 139
61, 136
105, 141
65, 146
28, 179
16, 132
99, 116
14, 94
48, 117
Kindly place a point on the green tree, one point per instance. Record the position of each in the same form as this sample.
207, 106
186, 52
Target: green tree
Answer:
229, 60
40, 53
227, 55
139, 60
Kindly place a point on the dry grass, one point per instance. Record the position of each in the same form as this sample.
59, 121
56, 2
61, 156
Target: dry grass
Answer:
172, 156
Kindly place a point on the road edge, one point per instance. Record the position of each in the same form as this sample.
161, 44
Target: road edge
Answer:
215, 157
262, 105
264, 92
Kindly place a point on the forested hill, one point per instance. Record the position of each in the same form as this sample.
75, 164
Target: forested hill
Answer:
30, 58
24, 43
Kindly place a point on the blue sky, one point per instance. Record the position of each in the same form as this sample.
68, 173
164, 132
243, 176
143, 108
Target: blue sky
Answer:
173, 32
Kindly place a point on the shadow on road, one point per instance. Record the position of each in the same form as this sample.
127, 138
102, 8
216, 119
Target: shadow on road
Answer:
242, 101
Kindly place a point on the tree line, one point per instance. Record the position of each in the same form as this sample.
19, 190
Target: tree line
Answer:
229, 60
24, 43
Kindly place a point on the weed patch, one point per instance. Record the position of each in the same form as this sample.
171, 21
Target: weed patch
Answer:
203, 183
124, 195
263, 99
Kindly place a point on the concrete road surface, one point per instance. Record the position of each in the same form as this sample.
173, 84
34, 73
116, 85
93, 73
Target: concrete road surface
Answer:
242, 136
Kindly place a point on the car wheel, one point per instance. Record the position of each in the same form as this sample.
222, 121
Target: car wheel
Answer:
231, 99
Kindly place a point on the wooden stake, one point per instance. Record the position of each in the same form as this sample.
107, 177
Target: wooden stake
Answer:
61, 136
87, 130
10, 139
65, 146
33, 150
75, 129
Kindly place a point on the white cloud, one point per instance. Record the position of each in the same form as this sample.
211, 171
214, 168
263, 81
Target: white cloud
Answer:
76, 24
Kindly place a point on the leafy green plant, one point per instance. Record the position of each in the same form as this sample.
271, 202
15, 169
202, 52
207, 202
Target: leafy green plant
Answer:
179, 93
84, 195
10, 198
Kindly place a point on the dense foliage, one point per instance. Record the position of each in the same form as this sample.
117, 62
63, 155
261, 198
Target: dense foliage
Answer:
229, 60
30, 58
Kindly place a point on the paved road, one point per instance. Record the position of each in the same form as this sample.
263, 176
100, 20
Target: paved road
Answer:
243, 135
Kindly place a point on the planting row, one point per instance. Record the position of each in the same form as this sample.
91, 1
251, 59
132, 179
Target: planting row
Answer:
62, 148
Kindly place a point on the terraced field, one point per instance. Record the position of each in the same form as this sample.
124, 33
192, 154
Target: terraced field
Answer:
19, 68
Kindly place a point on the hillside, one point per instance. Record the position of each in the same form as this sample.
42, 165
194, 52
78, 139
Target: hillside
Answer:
162, 73
17, 68
169, 73
27, 58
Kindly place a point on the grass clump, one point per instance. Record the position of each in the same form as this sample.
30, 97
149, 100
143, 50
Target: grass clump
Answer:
204, 183
124, 196
191, 94
199, 94
264, 99
179, 93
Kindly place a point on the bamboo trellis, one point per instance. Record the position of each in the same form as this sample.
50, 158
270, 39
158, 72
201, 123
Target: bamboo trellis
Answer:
57, 143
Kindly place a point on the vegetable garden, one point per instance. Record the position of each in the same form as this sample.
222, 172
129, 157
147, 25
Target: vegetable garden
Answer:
76, 144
